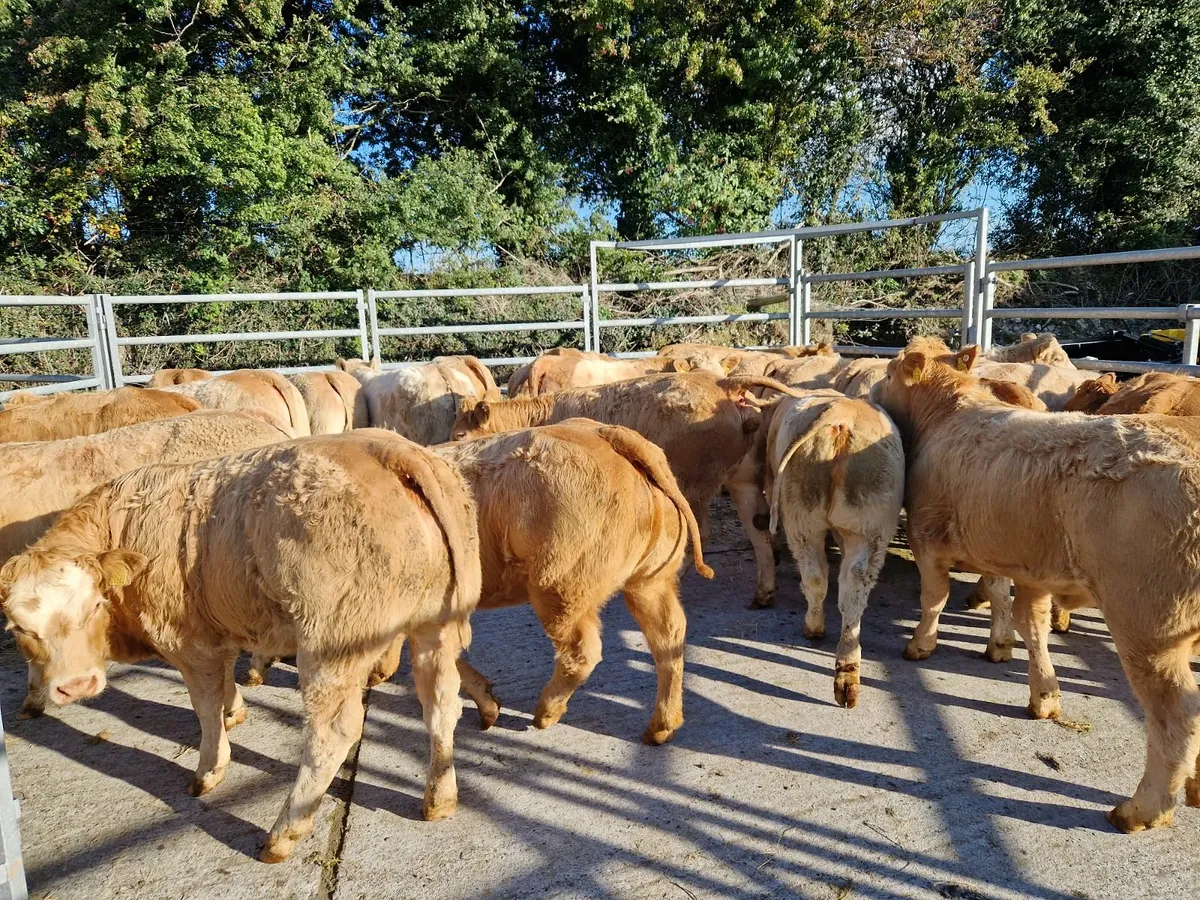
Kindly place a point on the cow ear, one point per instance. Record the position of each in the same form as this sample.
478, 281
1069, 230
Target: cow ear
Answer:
1108, 378
482, 412
965, 358
8, 575
913, 367
728, 364
682, 365
120, 567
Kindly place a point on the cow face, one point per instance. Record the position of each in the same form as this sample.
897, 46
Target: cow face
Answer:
56, 603
472, 421
894, 392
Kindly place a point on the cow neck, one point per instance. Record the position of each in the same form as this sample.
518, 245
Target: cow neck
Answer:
938, 399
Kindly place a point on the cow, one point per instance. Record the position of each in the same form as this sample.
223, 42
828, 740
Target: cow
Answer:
1043, 349
807, 373
835, 465
421, 400
569, 514
42, 479
1116, 528
28, 417
719, 360
704, 425
1161, 393
325, 548
334, 401
550, 373
242, 389
856, 378
1092, 394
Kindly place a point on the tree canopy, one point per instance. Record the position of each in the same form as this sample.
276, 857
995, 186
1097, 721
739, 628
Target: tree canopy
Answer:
311, 142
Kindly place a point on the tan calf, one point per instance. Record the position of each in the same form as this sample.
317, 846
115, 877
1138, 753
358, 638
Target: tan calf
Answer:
570, 514
28, 417
835, 465
550, 373
325, 548
334, 401
420, 401
704, 426
244, 389
1160, 393
1116, 528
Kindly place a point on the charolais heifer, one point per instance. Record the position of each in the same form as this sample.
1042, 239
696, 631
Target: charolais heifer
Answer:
28, 417
835, 466
1116, 529
334, 401
243, 389
325, 548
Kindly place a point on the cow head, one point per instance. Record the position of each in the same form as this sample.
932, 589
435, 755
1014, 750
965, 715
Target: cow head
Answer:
170, 377
472, 420
57, 605
1092, 394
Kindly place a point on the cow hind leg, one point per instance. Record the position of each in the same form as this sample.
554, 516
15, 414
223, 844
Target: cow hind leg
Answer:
333, 720
435, 655
233, 706
656, 608
996, 592
479, 689
935, 590
751, 510
259, 664
1031, 613
862, 560
387, 664
574, 630
1166, 688
807, 543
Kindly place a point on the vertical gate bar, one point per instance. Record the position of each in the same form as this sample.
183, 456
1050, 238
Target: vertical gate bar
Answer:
970, 324
793, 291
373, 312
114, 350
364, 338
984, 296
1191, 334
588, 339
595, 297
10, 831
95, 329
805, 299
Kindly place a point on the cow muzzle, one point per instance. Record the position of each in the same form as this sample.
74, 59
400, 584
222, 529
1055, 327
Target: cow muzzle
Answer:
80, 688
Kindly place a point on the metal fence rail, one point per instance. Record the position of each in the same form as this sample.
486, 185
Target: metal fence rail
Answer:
581, 324
115, 342
52, 383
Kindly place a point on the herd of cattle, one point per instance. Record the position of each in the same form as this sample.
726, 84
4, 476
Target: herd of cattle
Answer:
331, 516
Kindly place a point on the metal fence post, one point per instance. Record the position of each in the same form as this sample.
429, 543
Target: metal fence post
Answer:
970, 325
1191, 332
13, 887
373, 313
983, 295
364, 338
96, 334
594, 293
114, 350
804, 334
987, 302
793, 291
589, 340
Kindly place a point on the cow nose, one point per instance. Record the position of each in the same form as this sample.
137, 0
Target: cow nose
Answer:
76, 688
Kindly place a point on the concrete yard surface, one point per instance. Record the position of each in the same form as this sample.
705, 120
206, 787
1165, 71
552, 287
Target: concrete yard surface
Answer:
937, 785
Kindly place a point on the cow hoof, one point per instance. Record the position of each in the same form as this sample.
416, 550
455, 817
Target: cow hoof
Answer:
1047, 706
31, 709
276, 849
846, 685
544, 717
978, 601
488, 714
434, 811
1060, 621
762, 600
657, 736
202, 784
998, 653
814, 634
1124, 818
237, 717
916, 654
253, 679
1192, 791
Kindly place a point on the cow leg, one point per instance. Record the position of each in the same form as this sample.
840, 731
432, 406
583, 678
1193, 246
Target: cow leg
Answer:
34, 703
385, 667
1031, 613
656, 608
435, 654
333, 720
576, 639
257, 673
479, 689
996, 593
1166, 688
233, 707
807, 543
1060, 619
750, 505
862, 560
204, 676
935, 590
